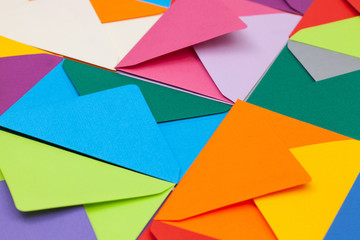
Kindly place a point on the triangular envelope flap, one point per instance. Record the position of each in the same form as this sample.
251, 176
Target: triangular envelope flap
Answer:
43, 177
299, 5
341, 36
355, 4
164, 231
187, 22
242, 160
115, 125
165, 103
321, 63
10, 48
325, 11
20, 73
278, 4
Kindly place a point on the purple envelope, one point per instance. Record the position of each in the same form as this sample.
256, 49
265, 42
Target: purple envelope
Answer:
67, 223
292, 6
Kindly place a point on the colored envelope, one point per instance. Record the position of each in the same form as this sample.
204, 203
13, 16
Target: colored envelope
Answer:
66, 223
335, 32
287, 88
163, 3
292, 6
218, 203
355, 4
10, 48
307, 212
178, 104
237, 61
119, 202
88, 124
20, 73
346, 221
187, 22
115, 10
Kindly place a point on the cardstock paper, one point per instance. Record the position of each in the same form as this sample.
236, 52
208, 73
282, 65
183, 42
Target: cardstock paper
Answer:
117, 10
247, 8
65, 223
333, 167
346, 222
163, 3
45, 176
178, 105
189, 21
278, 4
87, 124
341, 36
10, 48
20, 73
237, 61
287, 88
355, 4
321, 63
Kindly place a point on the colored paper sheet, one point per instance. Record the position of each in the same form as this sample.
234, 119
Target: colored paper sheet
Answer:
300, 5
287, 88
178, 105
115, 10
66, 223
189, 20
325, 11
242, 220
1, 176
247, 53
341, 36
355, 4
43, 177
278, 4
10, 48
47, 176
182, 69
333, 167
162, 3
255, 146
20, 73
321, 63
186, 138
346, 222
247, 8
87, 124
78, 33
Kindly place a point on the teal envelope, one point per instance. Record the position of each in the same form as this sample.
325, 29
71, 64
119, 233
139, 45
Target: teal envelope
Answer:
333, 104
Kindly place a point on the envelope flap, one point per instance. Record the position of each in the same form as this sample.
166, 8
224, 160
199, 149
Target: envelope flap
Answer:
185, 23
246, 8
10, 48
300, 6
163, 231
227, 170
40, 176
166, 104
325, 11
355, 4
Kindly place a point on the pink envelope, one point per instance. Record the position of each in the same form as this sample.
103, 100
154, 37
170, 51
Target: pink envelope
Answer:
186, 23
237, 61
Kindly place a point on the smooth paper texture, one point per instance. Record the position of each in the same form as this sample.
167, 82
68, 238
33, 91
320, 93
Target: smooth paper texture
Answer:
278, 4
10, 48
355, 4
325, 11
89, 123
333, 167
189, 20
321, 63
182, 69
177, 105
346, 221
69, 28
247, 53
20, 73
341, 36
66, 223
287, 88
247, 8
42, 177
163, 3
300, 5
117, 10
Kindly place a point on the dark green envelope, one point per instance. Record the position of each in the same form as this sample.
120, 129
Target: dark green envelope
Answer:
334, 103
165, 103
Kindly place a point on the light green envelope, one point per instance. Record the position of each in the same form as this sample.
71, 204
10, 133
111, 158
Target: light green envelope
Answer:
119, 202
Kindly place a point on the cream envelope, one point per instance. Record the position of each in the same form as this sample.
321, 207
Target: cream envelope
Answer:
119, 202
72, 29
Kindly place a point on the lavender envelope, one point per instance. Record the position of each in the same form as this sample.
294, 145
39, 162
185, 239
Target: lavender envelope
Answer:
67, 223
237, 61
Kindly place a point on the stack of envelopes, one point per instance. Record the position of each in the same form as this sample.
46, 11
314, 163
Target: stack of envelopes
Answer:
185, 119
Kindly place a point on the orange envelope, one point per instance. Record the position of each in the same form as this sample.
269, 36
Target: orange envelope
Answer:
248, 156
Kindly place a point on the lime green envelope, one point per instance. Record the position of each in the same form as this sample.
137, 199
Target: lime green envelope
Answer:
119, 202
165, 103
287, 88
